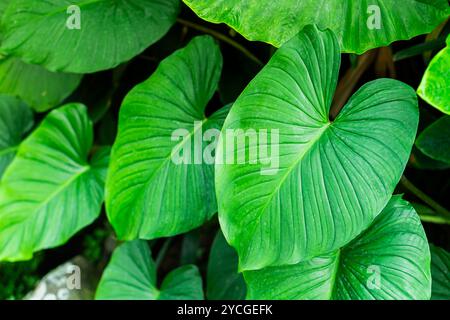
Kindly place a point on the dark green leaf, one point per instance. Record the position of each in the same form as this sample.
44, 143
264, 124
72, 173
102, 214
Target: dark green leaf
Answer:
440, 272
39, 88
131, 275
434, 141
15, 121
223, 280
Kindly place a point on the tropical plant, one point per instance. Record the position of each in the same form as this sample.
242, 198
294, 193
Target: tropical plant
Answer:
186, 160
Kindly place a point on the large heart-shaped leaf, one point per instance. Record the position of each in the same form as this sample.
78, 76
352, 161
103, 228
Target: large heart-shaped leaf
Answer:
435, 87
440, 272
223, 280
329, 179
149, 194
359, 24
390, 260
16, 119
51, 189
38, 87
131, 275
434, 141
86, 36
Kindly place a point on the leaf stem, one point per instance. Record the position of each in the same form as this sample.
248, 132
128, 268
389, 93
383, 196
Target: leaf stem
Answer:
349, 80
162, 252
408, 185
221, 37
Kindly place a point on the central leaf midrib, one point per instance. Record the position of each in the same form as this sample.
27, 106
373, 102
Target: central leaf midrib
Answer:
166, 160
53, 195
309, 146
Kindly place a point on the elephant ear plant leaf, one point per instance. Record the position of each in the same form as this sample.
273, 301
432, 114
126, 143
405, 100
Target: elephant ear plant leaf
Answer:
131, 274
332, 177
158, 184
16, 119
87, 36
390, 260
440, 271
434, 88
434, 141
51, 189
223, 280
359, 24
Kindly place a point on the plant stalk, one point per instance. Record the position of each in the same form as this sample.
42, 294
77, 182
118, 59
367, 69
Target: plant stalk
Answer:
221, 37
408, 185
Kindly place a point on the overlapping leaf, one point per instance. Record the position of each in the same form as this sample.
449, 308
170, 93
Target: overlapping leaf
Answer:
39, 88
434, 141
435, 87
332, 178
83, 36
223, 280
149, 193
389, 261
359, 24
440, 272
16, 119
51, 189
131, 274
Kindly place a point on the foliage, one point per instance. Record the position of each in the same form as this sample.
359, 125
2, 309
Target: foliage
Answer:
116, 121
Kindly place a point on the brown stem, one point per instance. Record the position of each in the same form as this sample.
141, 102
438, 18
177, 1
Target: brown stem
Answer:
221, 37
349, 81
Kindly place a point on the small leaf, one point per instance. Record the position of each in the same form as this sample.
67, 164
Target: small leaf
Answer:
390, 260
38, 87
16, 119
434, 141
320, 183
359, 24
87, 36
223, 280
131, 275
50, 191
434, 88
440, 272
148, 194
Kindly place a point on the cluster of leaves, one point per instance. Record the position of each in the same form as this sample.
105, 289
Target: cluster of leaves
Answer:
313, 228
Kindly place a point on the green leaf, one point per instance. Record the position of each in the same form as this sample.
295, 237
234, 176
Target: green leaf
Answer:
131, 275
109, 33
390, 260
16, 119
275, 22
223, 280
148, 194
440, 272
51, 189
434, 88
421, 161
434, 141
330, 179
39, 88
